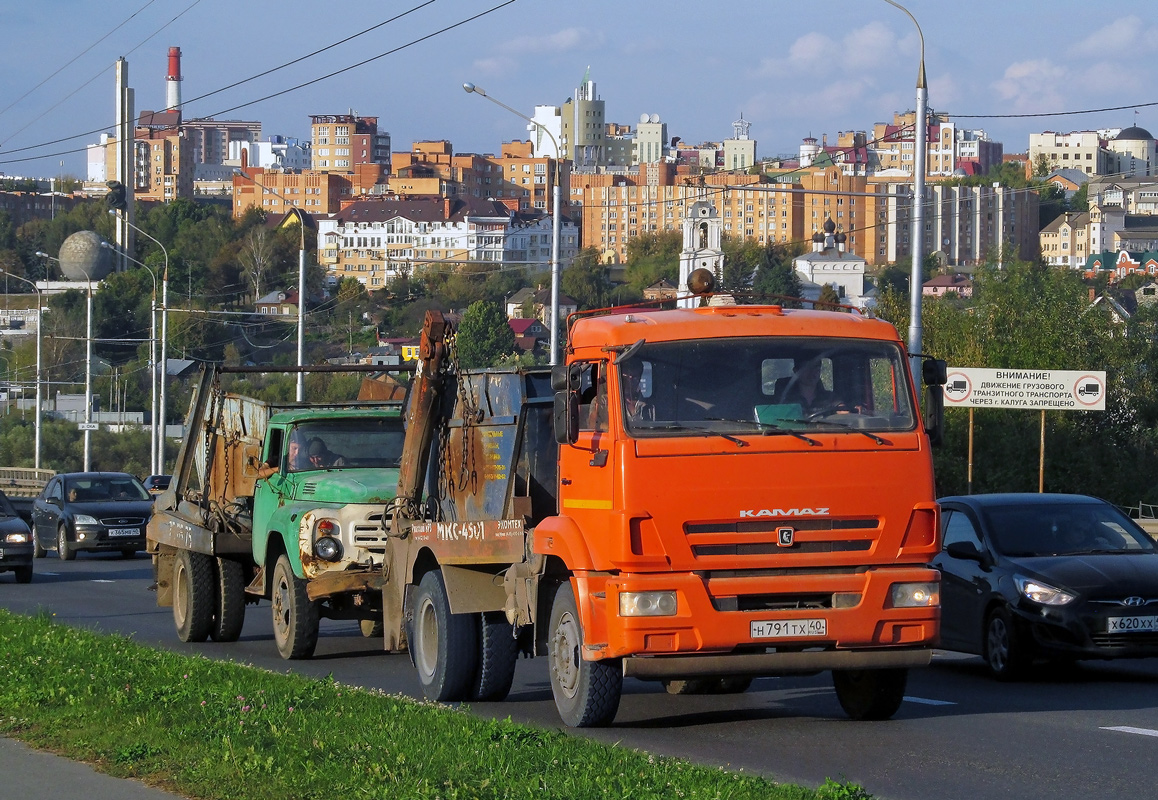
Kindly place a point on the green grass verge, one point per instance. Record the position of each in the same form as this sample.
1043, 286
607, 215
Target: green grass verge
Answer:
211, 729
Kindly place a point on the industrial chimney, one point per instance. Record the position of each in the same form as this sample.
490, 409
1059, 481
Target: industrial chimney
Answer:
173, 81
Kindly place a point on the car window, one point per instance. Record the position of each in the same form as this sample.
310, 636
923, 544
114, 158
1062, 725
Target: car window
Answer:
959, 528
1064, 529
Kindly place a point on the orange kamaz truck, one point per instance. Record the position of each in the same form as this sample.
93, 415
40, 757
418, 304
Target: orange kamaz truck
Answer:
697, 496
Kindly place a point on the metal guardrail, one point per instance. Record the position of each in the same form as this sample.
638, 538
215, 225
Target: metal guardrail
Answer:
24, 481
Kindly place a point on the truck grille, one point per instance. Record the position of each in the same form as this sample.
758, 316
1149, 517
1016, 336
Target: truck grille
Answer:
369, 532
760, 537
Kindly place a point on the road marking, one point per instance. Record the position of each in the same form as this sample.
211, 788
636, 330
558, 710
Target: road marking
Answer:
1128, 729
50, 574
927, 702
102, 580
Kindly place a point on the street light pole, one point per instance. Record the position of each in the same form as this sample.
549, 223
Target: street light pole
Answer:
301, 384
39, 319
556, 200
919, 136
163, 372
154, 443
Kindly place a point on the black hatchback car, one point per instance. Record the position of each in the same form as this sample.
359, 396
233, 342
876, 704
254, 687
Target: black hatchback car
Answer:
15, 542
91, 511
1028, 576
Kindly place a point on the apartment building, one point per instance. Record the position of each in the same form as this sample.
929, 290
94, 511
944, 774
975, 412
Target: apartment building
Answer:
211, 139
1087, 151
583, 132
376, 240
1065, 241
278, 192
343, 141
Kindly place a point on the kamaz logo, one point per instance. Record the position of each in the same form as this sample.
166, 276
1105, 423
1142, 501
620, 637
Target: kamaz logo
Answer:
785, 512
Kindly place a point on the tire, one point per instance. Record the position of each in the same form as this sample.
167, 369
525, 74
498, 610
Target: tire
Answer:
586, 692
38, 550
731, 685
192, 595
498, 652
371, 628
1004, 653
63, 551
295, 616
229, 614
870, 694
23, 574
443, 645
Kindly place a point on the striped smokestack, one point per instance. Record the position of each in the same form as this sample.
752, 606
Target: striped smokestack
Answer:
173, 81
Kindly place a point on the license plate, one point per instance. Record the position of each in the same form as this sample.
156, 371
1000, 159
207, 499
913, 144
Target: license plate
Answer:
788, 628
124, 532
1132, 624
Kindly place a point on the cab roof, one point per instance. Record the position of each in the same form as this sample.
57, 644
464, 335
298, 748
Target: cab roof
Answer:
719, 322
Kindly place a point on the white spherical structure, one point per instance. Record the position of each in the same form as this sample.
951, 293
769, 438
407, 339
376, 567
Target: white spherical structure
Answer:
82, 258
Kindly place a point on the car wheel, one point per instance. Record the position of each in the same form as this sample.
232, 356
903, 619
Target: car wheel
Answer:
586, 693
443, 645
23, 574
1005, 655
63, 551
870, 694
38, 550
229, 616
498, 653
295, 616
192, 596
371, 628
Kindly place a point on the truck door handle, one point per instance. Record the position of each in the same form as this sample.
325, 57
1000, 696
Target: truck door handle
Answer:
565, 481
599, 459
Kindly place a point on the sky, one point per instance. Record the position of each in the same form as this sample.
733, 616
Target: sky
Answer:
791, 69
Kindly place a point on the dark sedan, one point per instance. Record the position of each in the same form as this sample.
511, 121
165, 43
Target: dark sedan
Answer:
1029, 576
97, 511
15, 543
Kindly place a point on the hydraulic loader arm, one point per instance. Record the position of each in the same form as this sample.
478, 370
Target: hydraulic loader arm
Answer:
420, 416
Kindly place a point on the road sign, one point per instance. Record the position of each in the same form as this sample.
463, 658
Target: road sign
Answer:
1044, 389
88, 426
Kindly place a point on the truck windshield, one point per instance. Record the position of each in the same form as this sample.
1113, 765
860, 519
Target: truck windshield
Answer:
765, 385
346, 444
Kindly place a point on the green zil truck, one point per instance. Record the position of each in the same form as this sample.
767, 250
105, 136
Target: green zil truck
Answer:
284, 503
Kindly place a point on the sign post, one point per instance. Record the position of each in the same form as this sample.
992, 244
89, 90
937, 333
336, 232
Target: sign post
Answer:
1032, 389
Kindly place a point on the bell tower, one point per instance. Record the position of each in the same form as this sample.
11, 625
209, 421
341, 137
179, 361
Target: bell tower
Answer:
702, 233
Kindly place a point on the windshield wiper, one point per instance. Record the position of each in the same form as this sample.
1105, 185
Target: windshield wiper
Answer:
767, 429
668, 426
842, 425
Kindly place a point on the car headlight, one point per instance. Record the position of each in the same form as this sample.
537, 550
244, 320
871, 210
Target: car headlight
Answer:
647, 604
1042, 593
328, 548
84, 519
915, 595
16, 538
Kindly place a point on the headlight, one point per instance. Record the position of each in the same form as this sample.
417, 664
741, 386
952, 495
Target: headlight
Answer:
16, 538
647, 604
915, 595
328, 549
84, 519
1042, 593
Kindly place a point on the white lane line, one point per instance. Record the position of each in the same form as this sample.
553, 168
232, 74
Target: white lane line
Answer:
927, 702
50, 574
102, 580
1128, 729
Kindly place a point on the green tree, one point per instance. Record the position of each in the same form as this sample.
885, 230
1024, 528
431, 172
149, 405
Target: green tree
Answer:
587, 281
775, 275
653, 256
484, 336
1079, 200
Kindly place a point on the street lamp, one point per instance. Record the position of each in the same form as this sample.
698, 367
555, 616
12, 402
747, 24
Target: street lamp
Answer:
163, 373
301, 387
39, 317
919, 135
87, 363
154, 443
556, 202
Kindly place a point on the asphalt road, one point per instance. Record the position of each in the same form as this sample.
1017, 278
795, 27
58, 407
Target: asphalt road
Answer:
1081, 733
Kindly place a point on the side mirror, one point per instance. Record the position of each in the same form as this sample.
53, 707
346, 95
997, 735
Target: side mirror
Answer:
964, 550
558, 377
934, 372
566, 417
935, 415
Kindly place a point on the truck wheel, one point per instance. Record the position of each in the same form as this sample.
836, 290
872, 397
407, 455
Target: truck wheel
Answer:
295, 616
192, 595
870, 694
498, 652
443, 645
63, 551
23, 574
371, 627
586, 692
38, 550
229, 615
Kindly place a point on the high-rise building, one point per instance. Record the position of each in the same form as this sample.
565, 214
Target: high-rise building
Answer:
343, 141
583, 127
